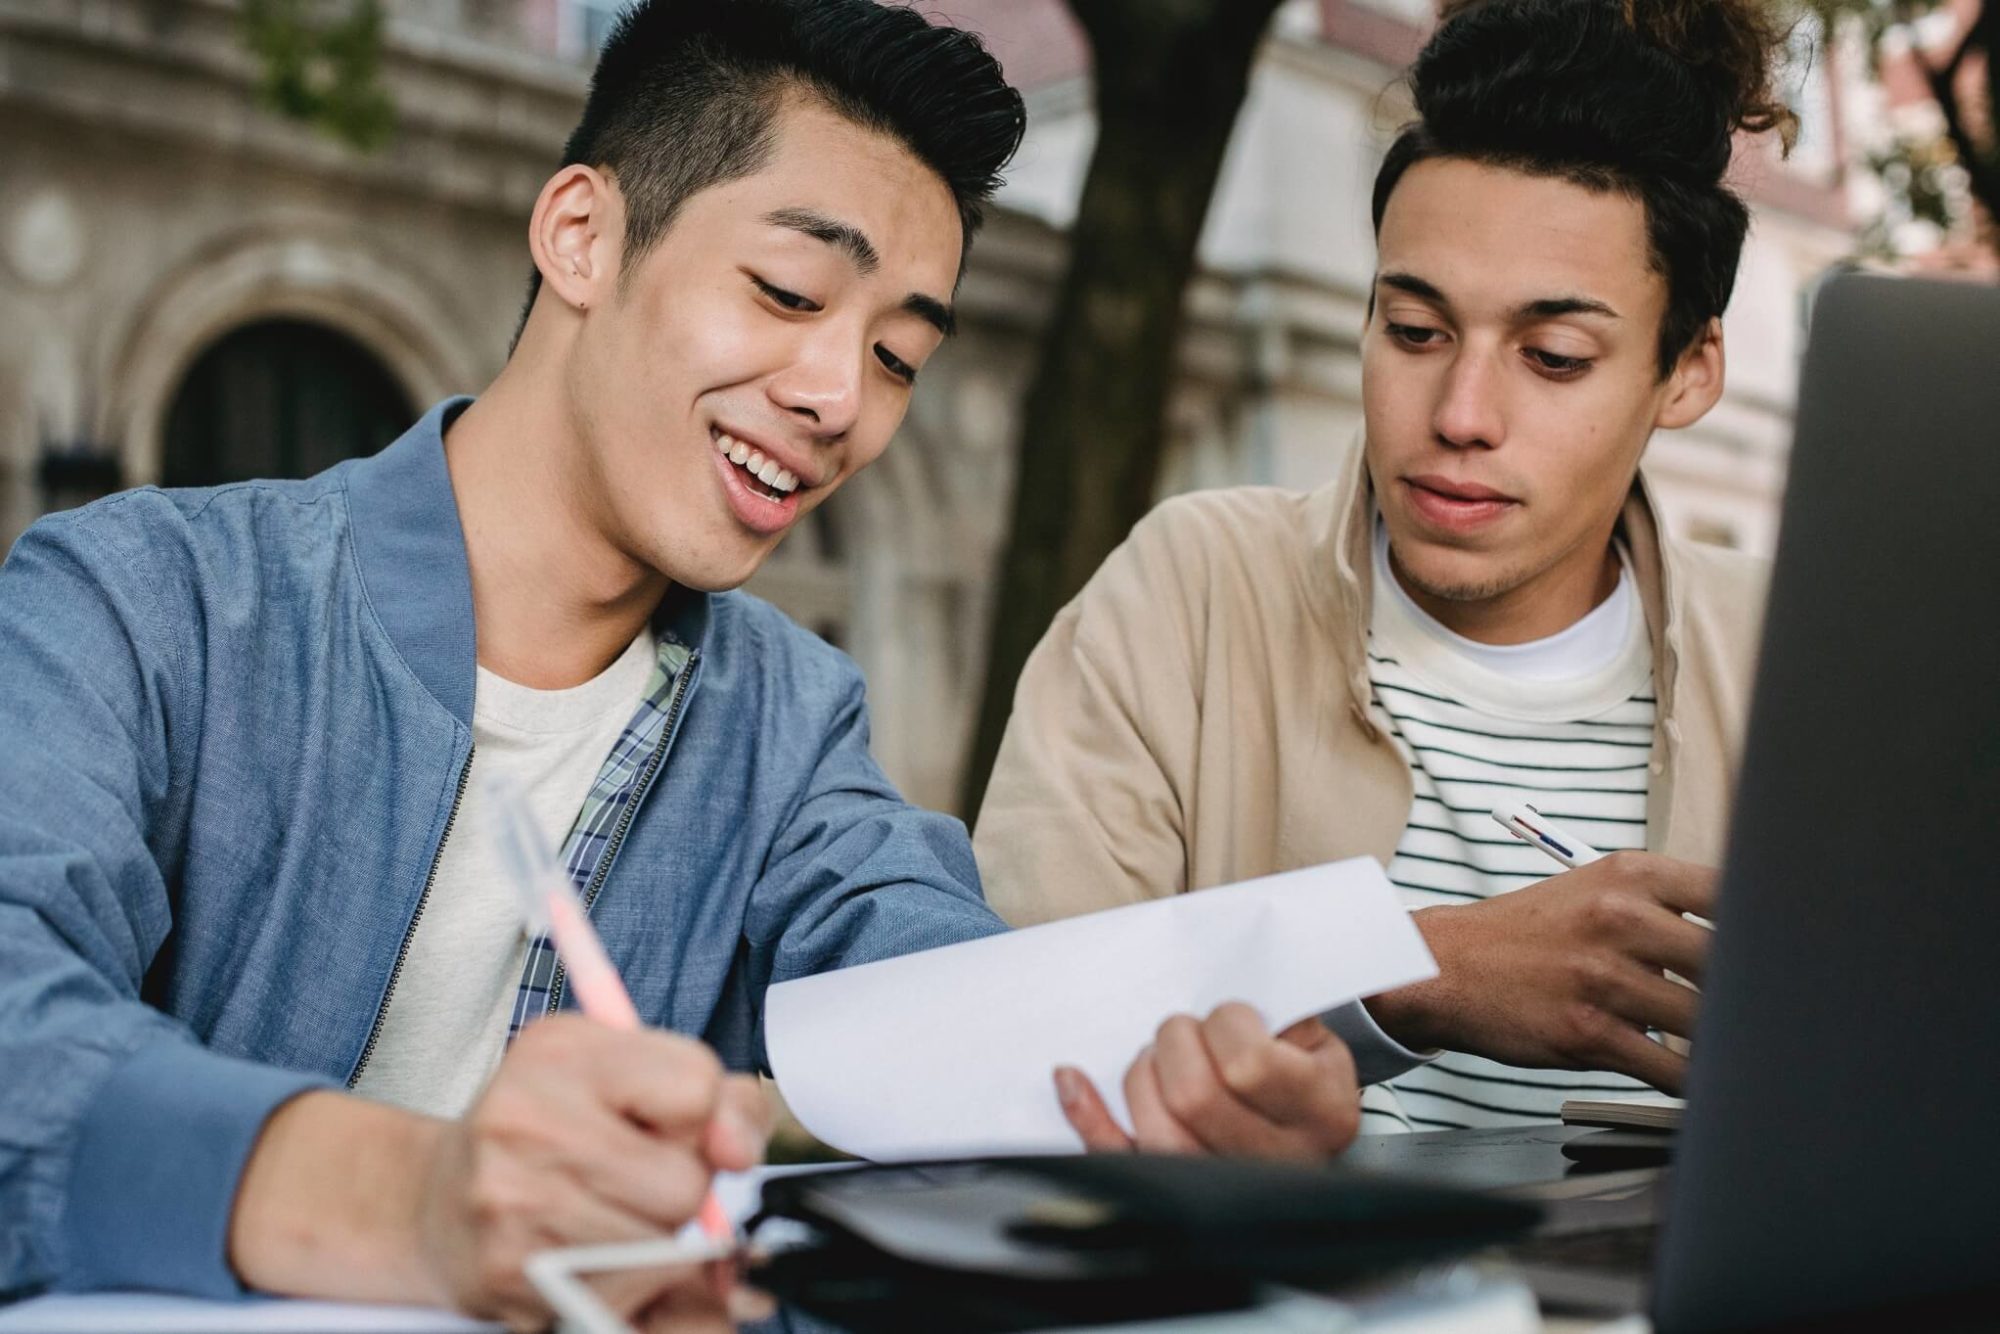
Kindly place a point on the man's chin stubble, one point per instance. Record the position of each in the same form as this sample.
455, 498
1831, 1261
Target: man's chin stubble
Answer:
1479, 591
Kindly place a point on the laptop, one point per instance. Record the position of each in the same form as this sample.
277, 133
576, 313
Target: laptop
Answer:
1839, 1159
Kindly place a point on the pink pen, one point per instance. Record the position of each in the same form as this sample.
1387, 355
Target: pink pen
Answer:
549, 902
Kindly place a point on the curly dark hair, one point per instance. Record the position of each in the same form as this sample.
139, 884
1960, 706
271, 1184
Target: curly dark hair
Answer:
1642, 97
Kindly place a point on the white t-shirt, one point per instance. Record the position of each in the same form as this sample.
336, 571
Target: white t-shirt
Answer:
1565, 723
446, 1025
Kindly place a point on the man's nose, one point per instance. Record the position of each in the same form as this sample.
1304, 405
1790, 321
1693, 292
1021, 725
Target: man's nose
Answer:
823, 386
1469, 415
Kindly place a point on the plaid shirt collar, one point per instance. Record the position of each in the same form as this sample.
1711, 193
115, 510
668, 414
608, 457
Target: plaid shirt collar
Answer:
601, 823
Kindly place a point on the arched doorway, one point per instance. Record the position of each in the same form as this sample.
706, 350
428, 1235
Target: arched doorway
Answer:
279, 398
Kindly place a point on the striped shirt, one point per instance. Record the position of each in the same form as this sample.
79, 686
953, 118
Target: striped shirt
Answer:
1566, 724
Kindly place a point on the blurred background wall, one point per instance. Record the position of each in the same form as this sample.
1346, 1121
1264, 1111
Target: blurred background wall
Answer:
194, 288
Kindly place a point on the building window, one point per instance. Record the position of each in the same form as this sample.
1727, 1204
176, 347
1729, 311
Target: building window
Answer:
279, 398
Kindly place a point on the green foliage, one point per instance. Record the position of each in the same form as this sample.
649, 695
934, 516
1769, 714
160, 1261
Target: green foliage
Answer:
323, 69
1917, 174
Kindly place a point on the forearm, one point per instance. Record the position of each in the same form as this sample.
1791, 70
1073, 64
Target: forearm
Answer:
332, 1200
1418, 1016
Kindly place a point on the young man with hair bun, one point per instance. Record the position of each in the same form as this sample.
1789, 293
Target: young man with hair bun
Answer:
1480, 607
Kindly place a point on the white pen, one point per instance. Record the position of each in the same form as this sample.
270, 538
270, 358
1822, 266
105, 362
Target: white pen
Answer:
1537, 830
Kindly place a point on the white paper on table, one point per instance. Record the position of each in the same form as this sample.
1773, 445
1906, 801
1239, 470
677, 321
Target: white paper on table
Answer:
952, 1051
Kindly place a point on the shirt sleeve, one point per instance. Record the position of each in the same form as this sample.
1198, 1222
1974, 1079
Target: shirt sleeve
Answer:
1084, 810
121, 1138
856, 874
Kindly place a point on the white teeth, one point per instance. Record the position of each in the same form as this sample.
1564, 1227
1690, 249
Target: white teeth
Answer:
766, 470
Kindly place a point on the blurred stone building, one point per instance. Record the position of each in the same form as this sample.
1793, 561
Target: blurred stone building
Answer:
193, 289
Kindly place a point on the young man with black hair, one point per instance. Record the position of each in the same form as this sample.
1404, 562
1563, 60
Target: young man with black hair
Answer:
243, 856
1480, 608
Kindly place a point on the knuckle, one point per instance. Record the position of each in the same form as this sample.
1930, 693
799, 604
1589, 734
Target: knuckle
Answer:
493, 1204
697, 1067
1190, 1102
1236, 1012
1609, 914
1584, 1029
1592, 980
1626, 867
1245, 1071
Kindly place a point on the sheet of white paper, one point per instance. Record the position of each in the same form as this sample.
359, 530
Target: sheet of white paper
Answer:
952, 1051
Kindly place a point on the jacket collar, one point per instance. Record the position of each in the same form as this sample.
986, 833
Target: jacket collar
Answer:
1343, 519
410, 548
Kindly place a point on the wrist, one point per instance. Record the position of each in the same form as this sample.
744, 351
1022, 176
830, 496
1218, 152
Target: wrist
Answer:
1418, 1015
331, 1203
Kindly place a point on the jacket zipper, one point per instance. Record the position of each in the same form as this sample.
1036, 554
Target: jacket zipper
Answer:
382, 1011
625, 817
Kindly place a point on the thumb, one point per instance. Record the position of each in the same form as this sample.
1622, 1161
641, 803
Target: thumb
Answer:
736, 1134
1308, 1033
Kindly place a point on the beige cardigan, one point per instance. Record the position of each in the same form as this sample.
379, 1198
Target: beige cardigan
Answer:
1201, 713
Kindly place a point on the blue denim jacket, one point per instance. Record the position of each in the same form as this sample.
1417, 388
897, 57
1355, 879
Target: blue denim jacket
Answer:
233, 728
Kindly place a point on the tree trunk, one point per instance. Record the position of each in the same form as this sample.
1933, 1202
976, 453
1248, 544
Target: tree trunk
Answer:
1170, 78
1981, 160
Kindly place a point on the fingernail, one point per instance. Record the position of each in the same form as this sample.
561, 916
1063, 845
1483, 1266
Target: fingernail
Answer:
1069, 1086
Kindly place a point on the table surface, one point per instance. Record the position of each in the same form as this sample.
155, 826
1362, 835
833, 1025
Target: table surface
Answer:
1484, 1159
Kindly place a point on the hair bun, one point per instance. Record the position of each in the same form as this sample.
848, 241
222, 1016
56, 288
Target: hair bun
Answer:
1732, 44
1660, 85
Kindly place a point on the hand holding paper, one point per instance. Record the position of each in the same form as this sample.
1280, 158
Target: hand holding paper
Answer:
951, 1051
1227, 1085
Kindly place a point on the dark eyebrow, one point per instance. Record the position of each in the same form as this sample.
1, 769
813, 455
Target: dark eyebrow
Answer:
933, 311
1415, 286
1549, 308
853, 242
841, 235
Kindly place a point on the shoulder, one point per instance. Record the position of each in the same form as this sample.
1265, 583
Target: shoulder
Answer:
1718, 597
748, 638
1204, 543
155, 524
1719, 580
1241, 524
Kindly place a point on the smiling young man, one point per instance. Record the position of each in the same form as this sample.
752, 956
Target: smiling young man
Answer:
261, 970
1481, 608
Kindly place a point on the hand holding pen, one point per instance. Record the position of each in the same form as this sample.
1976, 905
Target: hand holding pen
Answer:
589, 1132
549, 904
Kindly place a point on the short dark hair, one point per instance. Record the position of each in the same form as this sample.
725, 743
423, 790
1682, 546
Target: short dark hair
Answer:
686, 93
1639, 97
